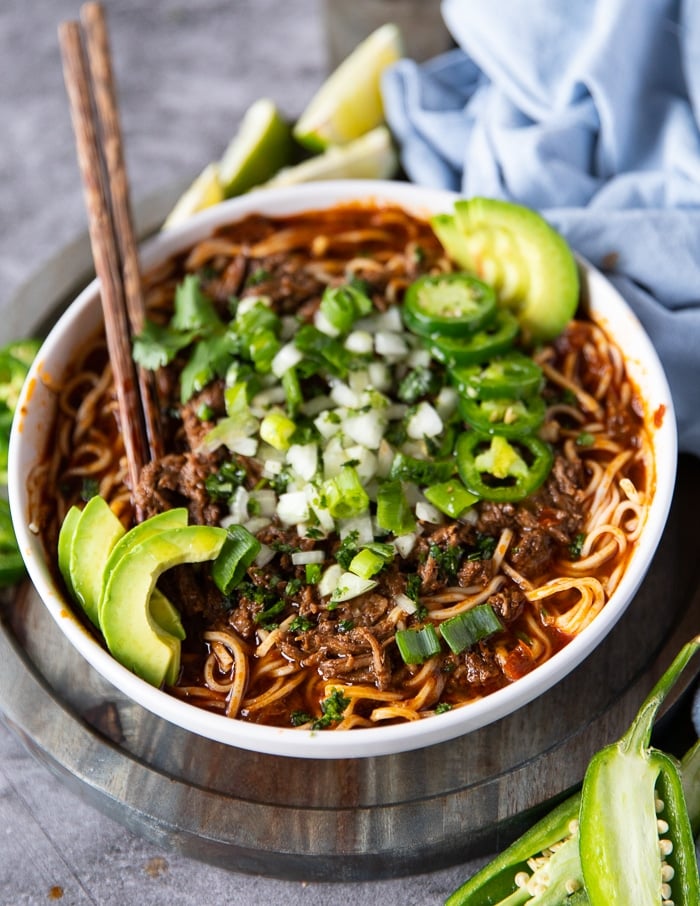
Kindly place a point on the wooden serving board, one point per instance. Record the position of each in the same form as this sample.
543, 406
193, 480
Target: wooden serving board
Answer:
352, 819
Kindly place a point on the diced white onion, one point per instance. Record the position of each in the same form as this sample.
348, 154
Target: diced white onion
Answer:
419, 358
390, 344
426, 512
334, 457
247, 303
329, 580
265, 555
256, 524
380, 376
384, 320
405, 603
425, 423
446, 402
245, 446
361, 524
366, 429
342, 395
293, 507
286, 358
238, 508
404, 544
301, 558
329, 423
365, 462
359, 381
325, 521
271, 468
266, 501
385, 457
350, 586
262, 401
303, 458
316, 405
359, 341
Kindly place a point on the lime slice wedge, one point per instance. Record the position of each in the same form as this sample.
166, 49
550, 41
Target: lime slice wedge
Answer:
372, 156
261, 146
205, 191
349, 103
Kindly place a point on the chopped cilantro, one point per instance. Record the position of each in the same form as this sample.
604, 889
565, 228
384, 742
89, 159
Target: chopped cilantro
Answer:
418, 383
332, 709
258, 276
293, 587
585, 439
485, 548
347, 549
300, 624
222, 484
447, 559
299, 718
576, 546
442, 707
345, 625
267, 618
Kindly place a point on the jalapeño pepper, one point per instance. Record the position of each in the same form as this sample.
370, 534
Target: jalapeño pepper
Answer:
511, 375
449, 305
492, 340
632, 843
495, 468
636, 839
508, 417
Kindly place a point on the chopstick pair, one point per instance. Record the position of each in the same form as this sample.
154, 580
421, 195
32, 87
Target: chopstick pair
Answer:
91, 91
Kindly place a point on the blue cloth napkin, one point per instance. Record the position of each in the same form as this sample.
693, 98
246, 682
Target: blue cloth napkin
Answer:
588, 111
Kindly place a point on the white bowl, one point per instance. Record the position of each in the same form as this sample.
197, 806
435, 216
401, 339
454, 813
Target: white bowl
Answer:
80, 320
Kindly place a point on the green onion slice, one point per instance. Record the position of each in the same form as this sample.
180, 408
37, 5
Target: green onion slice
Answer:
470, 627
417, 645
238, 552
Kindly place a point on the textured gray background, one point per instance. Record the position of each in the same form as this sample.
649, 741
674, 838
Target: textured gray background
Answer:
186, 72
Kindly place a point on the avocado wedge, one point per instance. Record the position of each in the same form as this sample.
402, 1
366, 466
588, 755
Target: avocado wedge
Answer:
65, 543
96, 532
129, 628
516, 251
163, 611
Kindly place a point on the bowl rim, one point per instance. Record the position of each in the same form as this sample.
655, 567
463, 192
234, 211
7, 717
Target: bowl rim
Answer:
645, 368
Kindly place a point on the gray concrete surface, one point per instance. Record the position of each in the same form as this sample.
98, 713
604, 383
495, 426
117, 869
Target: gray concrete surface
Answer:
186, 71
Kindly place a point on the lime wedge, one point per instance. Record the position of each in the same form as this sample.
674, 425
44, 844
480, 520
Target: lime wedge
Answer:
205, 191
372, 156
261, 146
349, 103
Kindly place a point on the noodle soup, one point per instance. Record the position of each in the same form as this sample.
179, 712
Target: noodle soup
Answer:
328, 628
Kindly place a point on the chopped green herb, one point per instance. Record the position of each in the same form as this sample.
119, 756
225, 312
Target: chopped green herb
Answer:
332, 709
576, 546
448, 559
292, 588
300, 624
485, 548
443, 707
90, 488
267, 618
348, 549
419, 383
585, 439
299, 718
258, 276
345, 625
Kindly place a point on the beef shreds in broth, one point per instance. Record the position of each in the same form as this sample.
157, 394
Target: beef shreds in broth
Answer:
287, 645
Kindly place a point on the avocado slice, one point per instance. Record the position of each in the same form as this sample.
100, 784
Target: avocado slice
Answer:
129, 628
524, 258
97, 531
163, 611
65, 543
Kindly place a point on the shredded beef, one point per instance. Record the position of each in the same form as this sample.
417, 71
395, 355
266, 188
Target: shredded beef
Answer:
193, 592
178, 479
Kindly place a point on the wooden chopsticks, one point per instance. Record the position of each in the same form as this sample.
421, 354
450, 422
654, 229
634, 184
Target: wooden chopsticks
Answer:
91, 91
